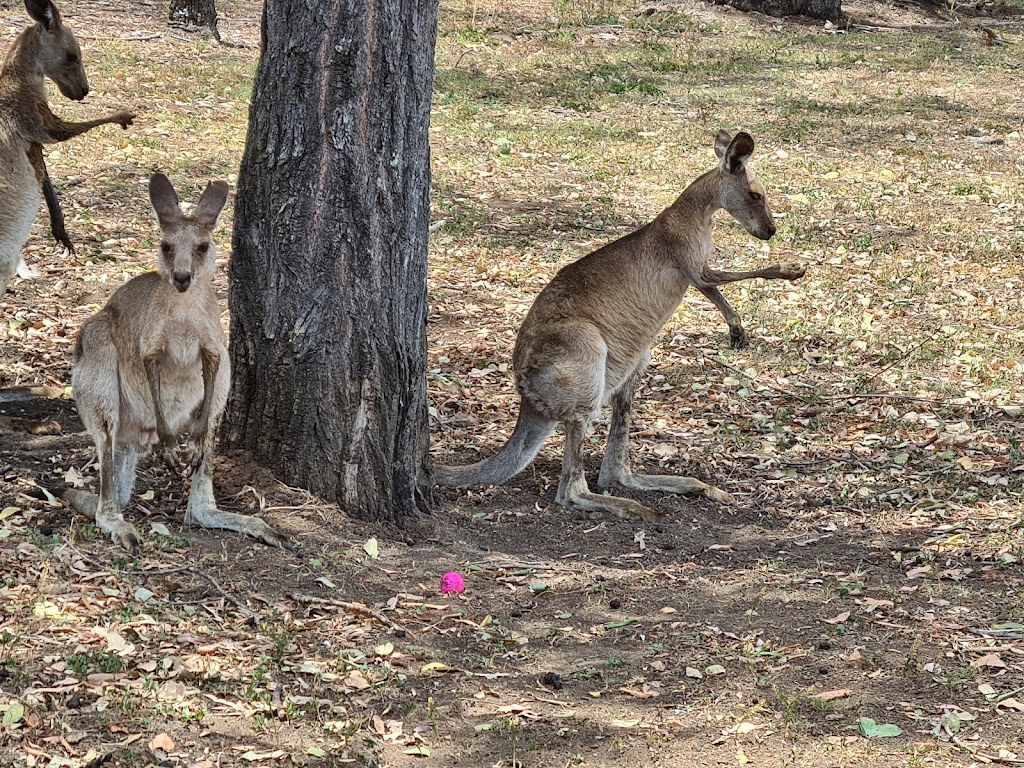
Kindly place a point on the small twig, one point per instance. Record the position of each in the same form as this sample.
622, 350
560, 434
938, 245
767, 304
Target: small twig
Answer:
168, 572
898, 360
355, 608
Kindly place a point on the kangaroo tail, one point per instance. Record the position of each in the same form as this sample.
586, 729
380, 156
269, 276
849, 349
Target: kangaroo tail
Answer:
532, 429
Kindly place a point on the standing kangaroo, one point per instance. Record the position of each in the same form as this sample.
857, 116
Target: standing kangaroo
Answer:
587, 337
152, 365
46, 49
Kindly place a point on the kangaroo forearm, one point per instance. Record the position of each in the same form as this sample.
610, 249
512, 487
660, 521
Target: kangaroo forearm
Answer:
211, 362
58, 130
153, 377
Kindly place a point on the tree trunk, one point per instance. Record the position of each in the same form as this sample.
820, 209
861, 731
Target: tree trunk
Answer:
328, 290
817, 9
194, 14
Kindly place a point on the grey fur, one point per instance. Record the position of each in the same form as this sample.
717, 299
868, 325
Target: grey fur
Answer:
153, 365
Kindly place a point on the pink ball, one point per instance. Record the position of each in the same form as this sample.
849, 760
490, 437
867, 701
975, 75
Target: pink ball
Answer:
452, 582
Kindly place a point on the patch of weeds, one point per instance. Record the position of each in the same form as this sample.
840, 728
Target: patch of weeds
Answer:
276, 630
586, 13
45, 542
620, 77
129, 702
791, 705
955, 681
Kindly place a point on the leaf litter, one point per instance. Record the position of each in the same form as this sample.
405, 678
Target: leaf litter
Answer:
871, 432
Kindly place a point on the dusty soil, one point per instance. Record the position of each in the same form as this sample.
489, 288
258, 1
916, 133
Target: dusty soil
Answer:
870, 568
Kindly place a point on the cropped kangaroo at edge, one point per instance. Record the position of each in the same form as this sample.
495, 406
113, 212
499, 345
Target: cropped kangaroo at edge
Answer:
153, 365
46, 49
586, 339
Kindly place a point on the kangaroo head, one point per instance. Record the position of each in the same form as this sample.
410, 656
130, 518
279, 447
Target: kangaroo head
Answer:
187, 252
60, 57
741, 193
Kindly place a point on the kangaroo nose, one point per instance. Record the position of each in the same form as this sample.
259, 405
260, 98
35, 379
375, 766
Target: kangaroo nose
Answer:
182, 280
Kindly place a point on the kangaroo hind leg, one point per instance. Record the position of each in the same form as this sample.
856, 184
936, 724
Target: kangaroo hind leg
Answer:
202, 510
615, 469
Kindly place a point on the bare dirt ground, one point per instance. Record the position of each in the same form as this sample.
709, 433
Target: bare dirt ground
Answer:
861, 605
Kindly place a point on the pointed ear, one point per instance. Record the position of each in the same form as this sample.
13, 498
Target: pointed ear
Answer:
211, 204
44, 12
722, 141
739, 151
164, 199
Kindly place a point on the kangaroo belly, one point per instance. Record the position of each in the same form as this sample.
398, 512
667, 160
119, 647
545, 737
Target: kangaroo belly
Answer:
181, 395
20, 197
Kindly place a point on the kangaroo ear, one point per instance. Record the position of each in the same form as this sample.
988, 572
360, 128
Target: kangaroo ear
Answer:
164, 199
44, 12
722, 141
211, 204
738, 152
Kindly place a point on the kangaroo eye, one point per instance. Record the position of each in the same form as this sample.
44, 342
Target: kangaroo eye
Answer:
203, 248
72, 58
165, 248
756, 197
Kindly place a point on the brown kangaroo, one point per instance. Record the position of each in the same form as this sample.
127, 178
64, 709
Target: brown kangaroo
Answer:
587, 337
46, 49
153, 365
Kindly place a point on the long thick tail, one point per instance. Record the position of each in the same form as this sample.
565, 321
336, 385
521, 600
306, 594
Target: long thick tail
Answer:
532, 429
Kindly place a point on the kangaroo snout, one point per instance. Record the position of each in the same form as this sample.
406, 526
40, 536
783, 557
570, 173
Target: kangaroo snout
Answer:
766, 232
76, 90
181, 281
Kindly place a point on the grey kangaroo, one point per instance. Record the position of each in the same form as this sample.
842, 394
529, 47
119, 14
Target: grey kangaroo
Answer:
46, 49
587, 337
152, 365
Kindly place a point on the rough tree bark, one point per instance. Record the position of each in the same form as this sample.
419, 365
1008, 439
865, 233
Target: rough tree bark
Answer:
328, 291
194, 14
817, 9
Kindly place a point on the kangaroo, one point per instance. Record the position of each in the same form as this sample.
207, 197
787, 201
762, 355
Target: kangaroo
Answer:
46, 49
587, 337
153, 365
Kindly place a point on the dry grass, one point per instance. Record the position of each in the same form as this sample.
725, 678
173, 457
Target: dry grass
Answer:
871, 431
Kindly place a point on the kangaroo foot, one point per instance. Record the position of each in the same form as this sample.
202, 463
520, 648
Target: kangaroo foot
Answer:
626, 509
123, 535
213, 518
670, 484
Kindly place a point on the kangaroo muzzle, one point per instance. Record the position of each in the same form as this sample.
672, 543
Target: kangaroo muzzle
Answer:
181, 281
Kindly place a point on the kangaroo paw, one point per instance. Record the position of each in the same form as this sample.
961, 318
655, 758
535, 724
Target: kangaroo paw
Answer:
792, 271
738, 337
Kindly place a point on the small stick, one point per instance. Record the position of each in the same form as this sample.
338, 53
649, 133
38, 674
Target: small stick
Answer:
354, 608
169, 571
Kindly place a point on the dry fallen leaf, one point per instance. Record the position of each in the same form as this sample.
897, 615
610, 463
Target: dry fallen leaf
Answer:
989, 660
162, 742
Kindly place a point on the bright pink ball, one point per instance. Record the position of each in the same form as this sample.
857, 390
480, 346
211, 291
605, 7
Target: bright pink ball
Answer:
452, 582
